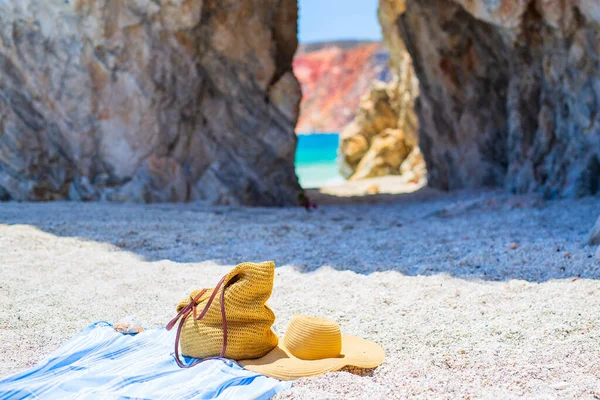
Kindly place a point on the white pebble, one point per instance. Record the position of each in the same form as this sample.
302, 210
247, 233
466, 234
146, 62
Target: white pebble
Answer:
560, 385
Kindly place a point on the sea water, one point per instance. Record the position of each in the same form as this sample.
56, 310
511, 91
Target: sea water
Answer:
316, 160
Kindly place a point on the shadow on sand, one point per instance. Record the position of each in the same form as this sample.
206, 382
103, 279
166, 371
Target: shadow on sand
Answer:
471, 235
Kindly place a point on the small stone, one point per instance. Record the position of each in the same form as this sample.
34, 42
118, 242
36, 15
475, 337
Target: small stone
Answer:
513, 246
373, 189
560, 385
128, 325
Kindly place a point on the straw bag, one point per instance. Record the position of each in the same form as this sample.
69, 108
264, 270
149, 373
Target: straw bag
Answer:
231, 320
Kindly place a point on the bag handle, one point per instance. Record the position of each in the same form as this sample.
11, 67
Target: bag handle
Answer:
191, 307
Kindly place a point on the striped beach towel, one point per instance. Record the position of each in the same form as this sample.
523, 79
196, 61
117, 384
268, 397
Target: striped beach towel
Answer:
100, 363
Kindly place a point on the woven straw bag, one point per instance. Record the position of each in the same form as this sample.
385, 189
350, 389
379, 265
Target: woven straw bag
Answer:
231, 320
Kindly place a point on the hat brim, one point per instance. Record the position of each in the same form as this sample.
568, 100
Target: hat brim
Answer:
280, 364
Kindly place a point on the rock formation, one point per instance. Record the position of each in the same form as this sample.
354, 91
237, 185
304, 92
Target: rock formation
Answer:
333, 76
146, 100
383, 139
509, 90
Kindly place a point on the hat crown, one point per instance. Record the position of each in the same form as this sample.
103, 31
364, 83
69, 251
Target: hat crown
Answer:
311, 338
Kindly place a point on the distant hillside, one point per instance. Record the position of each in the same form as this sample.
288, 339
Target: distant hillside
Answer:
342, 44
334, 75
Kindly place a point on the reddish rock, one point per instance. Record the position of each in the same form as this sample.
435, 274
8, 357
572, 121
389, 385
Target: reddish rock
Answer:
334, 75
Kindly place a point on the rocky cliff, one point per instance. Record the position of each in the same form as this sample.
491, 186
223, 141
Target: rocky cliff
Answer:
382, 139
145, 100
510, 90
334, 75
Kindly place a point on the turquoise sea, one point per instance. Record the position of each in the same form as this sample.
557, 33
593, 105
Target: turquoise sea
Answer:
316, 163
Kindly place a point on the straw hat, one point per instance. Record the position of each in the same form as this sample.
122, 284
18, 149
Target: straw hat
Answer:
312, 346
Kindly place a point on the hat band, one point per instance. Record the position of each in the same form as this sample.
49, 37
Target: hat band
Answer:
191, 307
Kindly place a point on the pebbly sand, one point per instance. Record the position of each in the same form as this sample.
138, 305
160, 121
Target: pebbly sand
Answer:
472, 295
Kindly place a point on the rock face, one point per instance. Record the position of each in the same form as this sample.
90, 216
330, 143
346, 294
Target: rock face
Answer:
383, 134
510, 91
333, 76
148, 100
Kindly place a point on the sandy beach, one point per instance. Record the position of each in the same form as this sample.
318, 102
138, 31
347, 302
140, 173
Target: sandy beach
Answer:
472, 295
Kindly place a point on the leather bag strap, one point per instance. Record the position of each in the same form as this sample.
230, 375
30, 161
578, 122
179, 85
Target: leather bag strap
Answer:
190, 308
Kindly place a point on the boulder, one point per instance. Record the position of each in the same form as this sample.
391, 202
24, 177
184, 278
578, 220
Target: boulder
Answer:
353, 145
509, 91
150, 101
383, 132
386, 154
413, 168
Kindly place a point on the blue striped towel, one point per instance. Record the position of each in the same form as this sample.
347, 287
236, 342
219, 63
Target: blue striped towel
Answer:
100, 363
